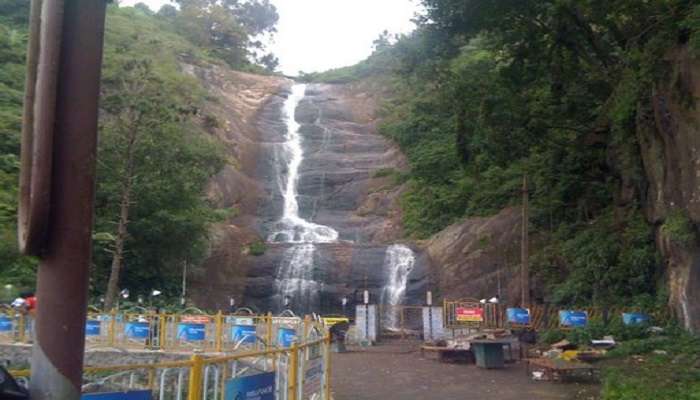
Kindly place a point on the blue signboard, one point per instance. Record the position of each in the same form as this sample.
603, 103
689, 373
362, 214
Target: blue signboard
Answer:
132, 395
518, 316
635, 318
243, 333
92, 328
191, 332
254, 387
5, 324
137, 330
285, 337
573, 319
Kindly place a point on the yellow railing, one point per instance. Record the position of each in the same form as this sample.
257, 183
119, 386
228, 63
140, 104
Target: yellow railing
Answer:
301, 371
147, 330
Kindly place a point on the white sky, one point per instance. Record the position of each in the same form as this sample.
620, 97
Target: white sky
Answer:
316, 35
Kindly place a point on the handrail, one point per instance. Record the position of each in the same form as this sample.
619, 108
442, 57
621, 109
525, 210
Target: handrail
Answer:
199, 367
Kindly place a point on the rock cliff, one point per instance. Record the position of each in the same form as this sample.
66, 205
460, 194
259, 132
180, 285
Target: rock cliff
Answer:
669, 136
339, 186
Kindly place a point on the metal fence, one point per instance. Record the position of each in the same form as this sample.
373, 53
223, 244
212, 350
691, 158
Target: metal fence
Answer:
298, 371
471, 313
147, 330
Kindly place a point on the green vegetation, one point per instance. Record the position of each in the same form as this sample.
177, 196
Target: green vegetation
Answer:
642, 365
155, 156
484, 93
664, 367
679, 228
257, 248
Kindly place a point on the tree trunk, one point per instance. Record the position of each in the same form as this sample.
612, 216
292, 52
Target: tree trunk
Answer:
118, 253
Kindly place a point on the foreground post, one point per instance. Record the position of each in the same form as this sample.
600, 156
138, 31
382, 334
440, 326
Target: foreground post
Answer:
67, 91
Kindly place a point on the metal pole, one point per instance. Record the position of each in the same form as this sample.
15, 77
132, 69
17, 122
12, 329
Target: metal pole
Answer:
62, 279
525, 250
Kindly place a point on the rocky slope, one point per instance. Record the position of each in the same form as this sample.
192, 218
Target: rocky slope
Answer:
478, 257
338, 187
669, 135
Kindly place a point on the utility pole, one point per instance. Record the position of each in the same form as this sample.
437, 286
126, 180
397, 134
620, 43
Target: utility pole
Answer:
57, 184
525, 249
183, 296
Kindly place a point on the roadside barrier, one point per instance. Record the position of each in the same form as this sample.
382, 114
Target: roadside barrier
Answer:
173, 332
471, 313
298, 371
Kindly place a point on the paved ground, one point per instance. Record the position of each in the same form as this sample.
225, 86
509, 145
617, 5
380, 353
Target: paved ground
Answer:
396, 371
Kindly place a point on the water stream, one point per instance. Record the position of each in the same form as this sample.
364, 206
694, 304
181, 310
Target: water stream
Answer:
296, 285
399, 262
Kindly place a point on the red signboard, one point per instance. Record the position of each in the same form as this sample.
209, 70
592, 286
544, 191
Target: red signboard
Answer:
468, 314
195, 319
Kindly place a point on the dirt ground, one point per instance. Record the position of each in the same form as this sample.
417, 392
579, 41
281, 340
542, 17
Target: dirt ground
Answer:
396, 371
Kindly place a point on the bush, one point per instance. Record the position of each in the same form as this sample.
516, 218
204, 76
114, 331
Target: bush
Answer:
552, 336
257, 248
678, 228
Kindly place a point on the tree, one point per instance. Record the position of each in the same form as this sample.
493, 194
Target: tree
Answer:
227, 27
167, 11
151, 171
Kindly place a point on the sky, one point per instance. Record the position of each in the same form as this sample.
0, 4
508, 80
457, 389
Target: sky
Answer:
316, 35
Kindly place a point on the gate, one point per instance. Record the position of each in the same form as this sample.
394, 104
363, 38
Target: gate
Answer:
400, 321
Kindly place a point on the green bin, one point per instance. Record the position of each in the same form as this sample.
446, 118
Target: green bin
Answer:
488, 355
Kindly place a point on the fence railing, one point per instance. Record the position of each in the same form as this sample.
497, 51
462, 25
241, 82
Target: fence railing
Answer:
298, 371
542, 316
202, 332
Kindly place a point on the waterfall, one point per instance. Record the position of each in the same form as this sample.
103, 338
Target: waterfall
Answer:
295, 278
399, 262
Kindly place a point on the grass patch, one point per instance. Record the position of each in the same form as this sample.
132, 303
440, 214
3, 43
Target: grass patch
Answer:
655, 368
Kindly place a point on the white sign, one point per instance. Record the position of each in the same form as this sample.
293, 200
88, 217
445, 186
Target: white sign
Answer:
432, 324
367, 323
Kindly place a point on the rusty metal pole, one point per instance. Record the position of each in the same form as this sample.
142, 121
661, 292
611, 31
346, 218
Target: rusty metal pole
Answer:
62, 280
525, 249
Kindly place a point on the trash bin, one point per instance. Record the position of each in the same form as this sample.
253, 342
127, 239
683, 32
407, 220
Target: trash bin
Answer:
488, 354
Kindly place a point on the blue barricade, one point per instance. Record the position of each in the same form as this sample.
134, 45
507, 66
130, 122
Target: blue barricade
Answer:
92, 327
6, 324
573, 319
635, 319
285, 337
191, 332
137, 330
243, 334
520, 316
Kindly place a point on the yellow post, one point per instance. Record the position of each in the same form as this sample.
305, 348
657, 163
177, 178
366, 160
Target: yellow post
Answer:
224, 377
162, 333
219, 340
293, 373
112, 326
268, 329
195, 385
152, 378
327, 388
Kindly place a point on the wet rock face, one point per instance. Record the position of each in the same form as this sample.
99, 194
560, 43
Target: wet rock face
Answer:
669, 138
342, 269
337, 187
342, 152
475, 257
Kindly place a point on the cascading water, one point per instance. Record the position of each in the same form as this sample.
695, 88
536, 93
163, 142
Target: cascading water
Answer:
295, 278
399, 262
